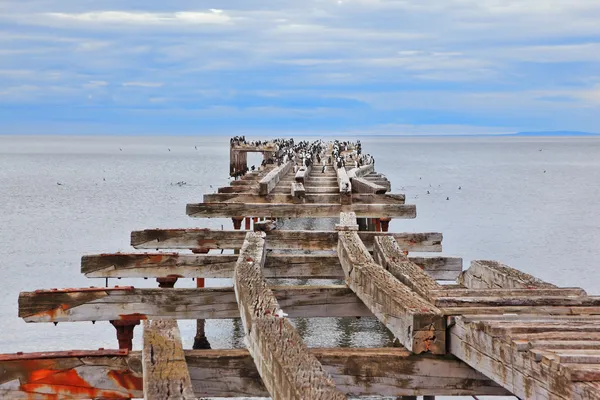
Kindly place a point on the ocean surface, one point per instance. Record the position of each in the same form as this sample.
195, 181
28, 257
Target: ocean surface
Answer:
532, 203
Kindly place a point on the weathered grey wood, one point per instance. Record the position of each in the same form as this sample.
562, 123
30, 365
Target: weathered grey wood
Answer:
282, 359
268, 183
530, 301
166, 374
361, 171
225, 210
232, 373
347, 222
298, 190
161, 265
389, 255
488, 347
386, 372
559, 292
522, 310
345, 186
277, 239
492, 274
361, 185
208, 303
301, 175
418, 325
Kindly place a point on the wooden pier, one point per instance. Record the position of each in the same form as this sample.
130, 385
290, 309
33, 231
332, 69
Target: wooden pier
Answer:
494, 331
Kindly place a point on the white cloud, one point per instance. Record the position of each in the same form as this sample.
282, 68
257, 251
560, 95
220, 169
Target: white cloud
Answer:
129, 17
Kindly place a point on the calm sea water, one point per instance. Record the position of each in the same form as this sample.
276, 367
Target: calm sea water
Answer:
532, 203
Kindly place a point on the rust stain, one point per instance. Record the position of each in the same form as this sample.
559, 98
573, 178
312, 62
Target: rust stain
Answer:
62, 354
126, 379
132, 317
153, 259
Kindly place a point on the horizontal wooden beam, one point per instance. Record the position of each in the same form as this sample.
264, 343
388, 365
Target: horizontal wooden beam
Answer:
109, 374
160, 265
104, 304
281, 210
327, 198
298, 191
418, 325
276, 239
165, 370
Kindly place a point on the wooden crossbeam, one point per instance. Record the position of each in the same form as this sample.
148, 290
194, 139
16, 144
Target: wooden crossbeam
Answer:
345, 189
160, 265
321, 198
418, 325
390, 256
484, 274
268, 183
105, 304
281, 210
362, 185
277, 239
166, 375
282, 359
231, 373
361, 171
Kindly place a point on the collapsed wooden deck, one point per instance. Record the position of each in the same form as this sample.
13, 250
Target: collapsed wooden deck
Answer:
496, 331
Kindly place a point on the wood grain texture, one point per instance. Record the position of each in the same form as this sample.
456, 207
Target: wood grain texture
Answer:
166, 375
362, 185
277, 265
319, 198
226, 210
390, 256
418, 325
276, 240
286, 368
268, 183
205, 303
484, 274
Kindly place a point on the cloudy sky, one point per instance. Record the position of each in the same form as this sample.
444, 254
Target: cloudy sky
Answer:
316, 66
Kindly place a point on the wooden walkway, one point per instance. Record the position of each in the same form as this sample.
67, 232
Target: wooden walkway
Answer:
494, 331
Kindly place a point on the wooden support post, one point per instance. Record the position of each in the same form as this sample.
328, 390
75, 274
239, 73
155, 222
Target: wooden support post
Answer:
377, 224
166, 375
200, 340
247, 227
125, 332
385, 224
237, 222
286, 367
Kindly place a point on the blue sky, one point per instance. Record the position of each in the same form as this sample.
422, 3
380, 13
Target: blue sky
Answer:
314, 66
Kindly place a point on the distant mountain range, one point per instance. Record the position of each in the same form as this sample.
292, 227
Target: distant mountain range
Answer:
555, 133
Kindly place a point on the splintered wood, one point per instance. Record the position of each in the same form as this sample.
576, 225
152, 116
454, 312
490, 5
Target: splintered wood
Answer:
286, 367
166, 375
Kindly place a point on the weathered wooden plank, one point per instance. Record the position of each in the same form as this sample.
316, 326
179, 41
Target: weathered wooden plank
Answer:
268, 183
206, 303
232, 373
165, 370
225, 210
390, 256
386, 372
361, 185
298, 190
494, 356
586, 391
491, 274
440, 268
522, 310
106, 374
344, 183
418, 325
320, 198
161, 265
278, 239
530, 301
282, 359
238, 189
559, 292
361, 171
301, 175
